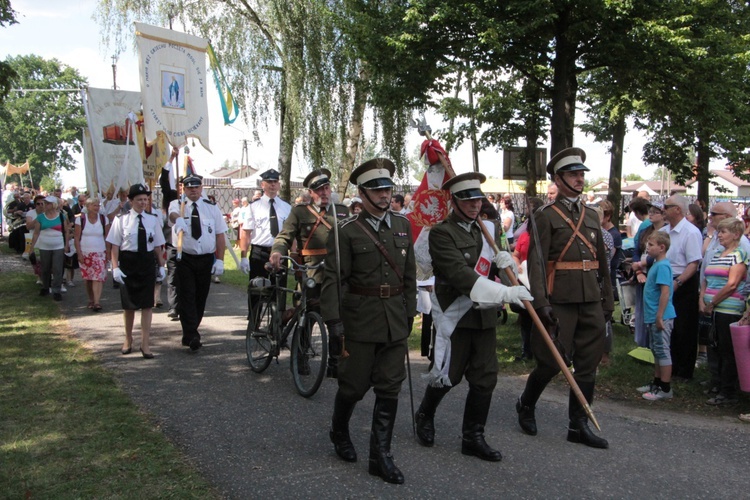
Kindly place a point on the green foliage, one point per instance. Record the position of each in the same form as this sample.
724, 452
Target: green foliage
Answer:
633, 177
48, 183
7, 18
43, 127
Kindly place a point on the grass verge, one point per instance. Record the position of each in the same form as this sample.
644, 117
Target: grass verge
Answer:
67, 430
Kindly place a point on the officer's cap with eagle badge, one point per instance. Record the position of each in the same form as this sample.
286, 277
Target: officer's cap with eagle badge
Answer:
317, 178
567, 160
374, 174
466, 186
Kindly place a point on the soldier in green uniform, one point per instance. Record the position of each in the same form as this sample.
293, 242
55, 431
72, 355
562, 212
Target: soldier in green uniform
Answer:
378, 302
465, 305
309, 224
573, 297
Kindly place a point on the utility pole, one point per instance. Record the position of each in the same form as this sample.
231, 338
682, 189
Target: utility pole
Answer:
244, 160
114, 72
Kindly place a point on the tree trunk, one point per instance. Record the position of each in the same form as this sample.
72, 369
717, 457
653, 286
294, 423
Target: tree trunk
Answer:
614, 194
702, 174
565, 88
355, 130
286, 144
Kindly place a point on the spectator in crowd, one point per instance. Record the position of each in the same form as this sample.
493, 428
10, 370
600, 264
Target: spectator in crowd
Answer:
719, 212
723, 297
257, 194
397, 203
608, 211
696, 217
551, 192
659, 316
592, 198
609, 244
234, 221
507, 217
80, 204
50, 236
355, 206
91, 231
655, 222
244, 213
685, 255
635, 219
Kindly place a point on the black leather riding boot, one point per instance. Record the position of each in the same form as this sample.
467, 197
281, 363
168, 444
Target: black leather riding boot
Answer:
475, 416
381, 461
526, 404
339, 434
578, 429
426, 414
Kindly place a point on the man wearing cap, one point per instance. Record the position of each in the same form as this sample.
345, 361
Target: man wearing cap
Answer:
309, 224
378, 302
465, 305
203, 227
263, 220
136, 238
572, 294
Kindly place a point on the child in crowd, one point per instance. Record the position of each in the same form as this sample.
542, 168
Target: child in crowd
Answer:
659, 314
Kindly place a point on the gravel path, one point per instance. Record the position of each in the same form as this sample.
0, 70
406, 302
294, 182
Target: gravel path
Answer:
253, 436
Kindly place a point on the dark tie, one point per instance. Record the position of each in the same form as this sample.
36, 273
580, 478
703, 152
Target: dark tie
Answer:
195, 223
273, 219
141, 235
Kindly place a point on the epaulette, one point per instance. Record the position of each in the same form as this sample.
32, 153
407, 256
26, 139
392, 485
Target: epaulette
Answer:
546, 205
152, 214
209, 202
253, 201
348, 221
303, 204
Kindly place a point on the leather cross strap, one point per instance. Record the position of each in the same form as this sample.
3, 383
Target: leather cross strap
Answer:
576, 232
382, 250
320, 219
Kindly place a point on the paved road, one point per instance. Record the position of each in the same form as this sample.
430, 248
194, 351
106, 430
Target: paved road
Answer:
253, 436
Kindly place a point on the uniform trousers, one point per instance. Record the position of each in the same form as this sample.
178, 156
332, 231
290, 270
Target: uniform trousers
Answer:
685, 332
258, 259
172, 298
581, 334
370, 364
473, 354
194, 282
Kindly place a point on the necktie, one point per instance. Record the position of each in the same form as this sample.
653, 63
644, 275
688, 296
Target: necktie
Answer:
141, 235
195, 223
273, 219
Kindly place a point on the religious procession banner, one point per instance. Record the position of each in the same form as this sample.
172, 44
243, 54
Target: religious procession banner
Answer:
173, 84
111, 157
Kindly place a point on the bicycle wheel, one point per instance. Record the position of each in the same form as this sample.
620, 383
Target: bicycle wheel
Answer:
309, 355
258, 340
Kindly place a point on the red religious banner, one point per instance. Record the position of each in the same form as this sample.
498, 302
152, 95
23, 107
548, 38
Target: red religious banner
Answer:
430, 202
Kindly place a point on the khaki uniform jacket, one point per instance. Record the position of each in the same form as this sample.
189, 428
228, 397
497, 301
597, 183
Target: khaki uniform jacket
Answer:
299, 226
575, 285
454, 253
368, 318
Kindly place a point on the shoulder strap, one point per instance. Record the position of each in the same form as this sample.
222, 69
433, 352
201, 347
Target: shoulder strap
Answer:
319, 220
576, 232
382, 250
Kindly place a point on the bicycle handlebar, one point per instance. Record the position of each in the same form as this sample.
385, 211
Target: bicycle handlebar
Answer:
295, 266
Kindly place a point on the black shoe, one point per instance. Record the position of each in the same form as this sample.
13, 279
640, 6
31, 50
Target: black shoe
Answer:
57, 297
475, 416
195, 344
149, 355
425, 429
173, 315
473, 444
579, 432
44, 292
526, 418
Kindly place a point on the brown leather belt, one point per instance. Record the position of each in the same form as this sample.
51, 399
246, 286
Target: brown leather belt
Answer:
583, 265
313, 251
382, 291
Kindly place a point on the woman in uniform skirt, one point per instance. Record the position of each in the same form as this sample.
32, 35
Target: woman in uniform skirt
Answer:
136, 239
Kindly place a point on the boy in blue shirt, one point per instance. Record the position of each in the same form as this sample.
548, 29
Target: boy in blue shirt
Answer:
659, 314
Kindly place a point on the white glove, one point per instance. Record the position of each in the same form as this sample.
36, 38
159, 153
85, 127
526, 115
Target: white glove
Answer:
489, 294
118, 276
218, 268
162, 275
245, 265
180, 226
503, 259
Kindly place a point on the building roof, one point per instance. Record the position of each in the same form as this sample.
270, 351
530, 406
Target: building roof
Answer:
728, 176
652, 187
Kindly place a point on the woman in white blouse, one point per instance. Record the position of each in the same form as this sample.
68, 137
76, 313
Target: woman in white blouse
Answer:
91, 230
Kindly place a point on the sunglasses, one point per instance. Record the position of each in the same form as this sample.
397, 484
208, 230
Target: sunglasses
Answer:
39, 203
714, 214
666, 207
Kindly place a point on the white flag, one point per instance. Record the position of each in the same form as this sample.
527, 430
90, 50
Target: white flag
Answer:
173, 84
113, 160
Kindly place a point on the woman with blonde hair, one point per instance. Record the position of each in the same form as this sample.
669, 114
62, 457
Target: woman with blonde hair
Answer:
91, 230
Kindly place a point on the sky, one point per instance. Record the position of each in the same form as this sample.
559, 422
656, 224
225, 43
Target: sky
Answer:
65, 30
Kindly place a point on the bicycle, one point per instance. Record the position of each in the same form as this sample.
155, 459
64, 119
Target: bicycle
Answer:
271, 324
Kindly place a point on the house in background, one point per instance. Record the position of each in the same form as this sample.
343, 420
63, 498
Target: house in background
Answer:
724, 184
653, 188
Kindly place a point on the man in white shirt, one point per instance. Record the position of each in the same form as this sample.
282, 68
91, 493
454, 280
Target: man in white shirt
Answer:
684, 254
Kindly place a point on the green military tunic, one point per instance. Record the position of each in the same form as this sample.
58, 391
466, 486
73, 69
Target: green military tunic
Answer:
579, 297
300, 226
375, 325
455, 252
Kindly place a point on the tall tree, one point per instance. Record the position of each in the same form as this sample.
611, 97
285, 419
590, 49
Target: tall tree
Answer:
42, 123
7, 18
